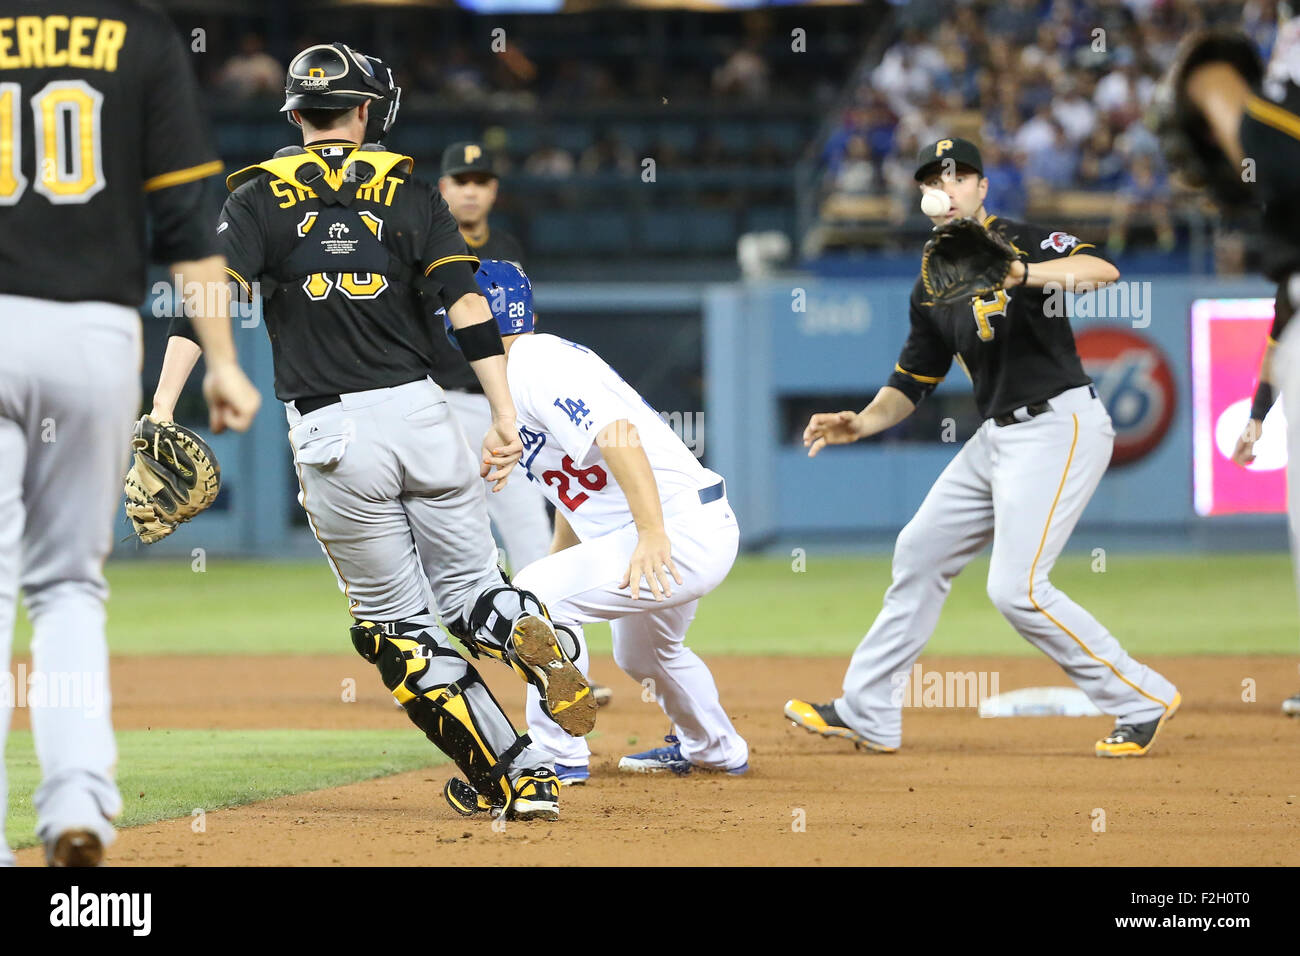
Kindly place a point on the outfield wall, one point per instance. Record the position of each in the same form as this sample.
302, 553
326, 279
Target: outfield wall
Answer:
737, 367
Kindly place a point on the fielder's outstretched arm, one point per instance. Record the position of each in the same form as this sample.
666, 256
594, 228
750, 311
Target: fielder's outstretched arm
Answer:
620, 443
887, 409
1090, 271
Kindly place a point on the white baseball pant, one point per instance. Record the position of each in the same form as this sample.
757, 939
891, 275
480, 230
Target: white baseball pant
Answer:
580, 585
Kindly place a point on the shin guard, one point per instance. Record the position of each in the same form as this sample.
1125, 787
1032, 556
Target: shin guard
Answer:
446, 698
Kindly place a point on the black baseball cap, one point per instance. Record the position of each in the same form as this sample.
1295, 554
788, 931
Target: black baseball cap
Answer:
960, 151
466, 158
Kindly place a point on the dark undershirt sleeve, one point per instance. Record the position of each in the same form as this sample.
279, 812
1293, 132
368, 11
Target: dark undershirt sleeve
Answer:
925, 358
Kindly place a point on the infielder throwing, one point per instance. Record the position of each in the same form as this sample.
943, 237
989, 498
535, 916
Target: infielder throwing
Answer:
1020, 482
632, 500
391, 489
100, 126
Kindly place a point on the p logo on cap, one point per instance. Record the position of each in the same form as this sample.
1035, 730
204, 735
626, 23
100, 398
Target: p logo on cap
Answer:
472, 152
942, 147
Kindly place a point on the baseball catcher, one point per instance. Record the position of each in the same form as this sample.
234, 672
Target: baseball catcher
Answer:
173, 477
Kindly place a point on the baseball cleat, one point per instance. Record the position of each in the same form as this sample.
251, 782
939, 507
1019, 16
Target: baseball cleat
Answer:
573, 775
602, 694
535, 653
661, 759
1291, 706
825, 720
1134, 740
75, 848
536, 796
467, 801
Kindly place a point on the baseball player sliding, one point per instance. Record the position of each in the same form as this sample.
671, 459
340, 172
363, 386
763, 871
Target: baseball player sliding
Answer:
1020, 482
1220, 112
100, 130
632, 500
391, 490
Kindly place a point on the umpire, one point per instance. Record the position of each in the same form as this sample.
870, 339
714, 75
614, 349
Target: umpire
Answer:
391, 490
469, 186
1221, 115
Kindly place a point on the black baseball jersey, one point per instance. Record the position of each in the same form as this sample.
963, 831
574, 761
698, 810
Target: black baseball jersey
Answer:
1016, 344
348, 312
451, 370
1270, 136
100, 125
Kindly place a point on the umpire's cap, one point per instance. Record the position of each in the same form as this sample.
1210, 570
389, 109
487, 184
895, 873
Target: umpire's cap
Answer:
960, 151
466, 158
333, 76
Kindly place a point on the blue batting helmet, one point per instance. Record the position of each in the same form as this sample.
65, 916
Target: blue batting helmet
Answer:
509, 294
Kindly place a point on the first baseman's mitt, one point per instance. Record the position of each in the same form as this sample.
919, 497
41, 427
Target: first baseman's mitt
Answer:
173, 478
963, 260
1191, 151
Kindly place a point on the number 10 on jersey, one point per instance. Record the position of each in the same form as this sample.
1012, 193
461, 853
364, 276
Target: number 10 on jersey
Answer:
69, 165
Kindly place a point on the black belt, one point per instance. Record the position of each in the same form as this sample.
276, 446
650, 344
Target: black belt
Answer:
1031, 411
314, 403
713, 492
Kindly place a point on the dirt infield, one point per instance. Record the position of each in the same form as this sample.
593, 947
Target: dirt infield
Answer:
1221, 788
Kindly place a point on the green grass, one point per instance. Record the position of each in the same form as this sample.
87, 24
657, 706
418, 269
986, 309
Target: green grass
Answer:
1219, 603
223, 768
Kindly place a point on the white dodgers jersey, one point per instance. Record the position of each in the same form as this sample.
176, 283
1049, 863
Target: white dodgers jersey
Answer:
565, 395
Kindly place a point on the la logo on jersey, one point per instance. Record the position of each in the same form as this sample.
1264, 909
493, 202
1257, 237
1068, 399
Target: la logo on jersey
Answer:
1059, 241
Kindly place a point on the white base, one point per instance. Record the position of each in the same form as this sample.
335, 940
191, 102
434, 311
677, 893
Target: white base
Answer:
1040, 702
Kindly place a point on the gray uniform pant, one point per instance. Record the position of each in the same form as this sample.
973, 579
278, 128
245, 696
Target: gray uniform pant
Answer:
69, 391
518, 510
393, 495
1023, 486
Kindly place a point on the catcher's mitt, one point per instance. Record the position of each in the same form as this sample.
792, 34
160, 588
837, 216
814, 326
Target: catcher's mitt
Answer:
963, 260
1192, 153
173, 478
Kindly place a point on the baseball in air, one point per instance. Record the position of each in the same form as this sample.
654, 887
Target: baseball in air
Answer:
935, 202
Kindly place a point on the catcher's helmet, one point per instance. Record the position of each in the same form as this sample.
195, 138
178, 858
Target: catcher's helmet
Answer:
333, 76
510, 297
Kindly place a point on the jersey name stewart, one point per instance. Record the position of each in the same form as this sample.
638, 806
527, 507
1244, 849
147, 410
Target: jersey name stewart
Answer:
565, 395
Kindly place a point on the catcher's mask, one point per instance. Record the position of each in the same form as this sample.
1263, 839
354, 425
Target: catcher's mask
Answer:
333, 76
509, 293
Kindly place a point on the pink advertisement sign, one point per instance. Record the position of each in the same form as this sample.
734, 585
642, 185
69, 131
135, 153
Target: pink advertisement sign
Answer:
1228, 340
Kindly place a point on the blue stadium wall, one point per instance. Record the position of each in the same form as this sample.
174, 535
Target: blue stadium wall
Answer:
737, 353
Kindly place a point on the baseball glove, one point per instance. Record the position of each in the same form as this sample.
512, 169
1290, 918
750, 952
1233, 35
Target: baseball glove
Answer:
174, 476
1185, 139
963, 260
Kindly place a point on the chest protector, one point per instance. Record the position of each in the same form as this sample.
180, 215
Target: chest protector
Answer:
336, 238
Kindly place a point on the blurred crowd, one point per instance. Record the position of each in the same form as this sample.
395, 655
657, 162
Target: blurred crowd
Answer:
1055, 92
744, 71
